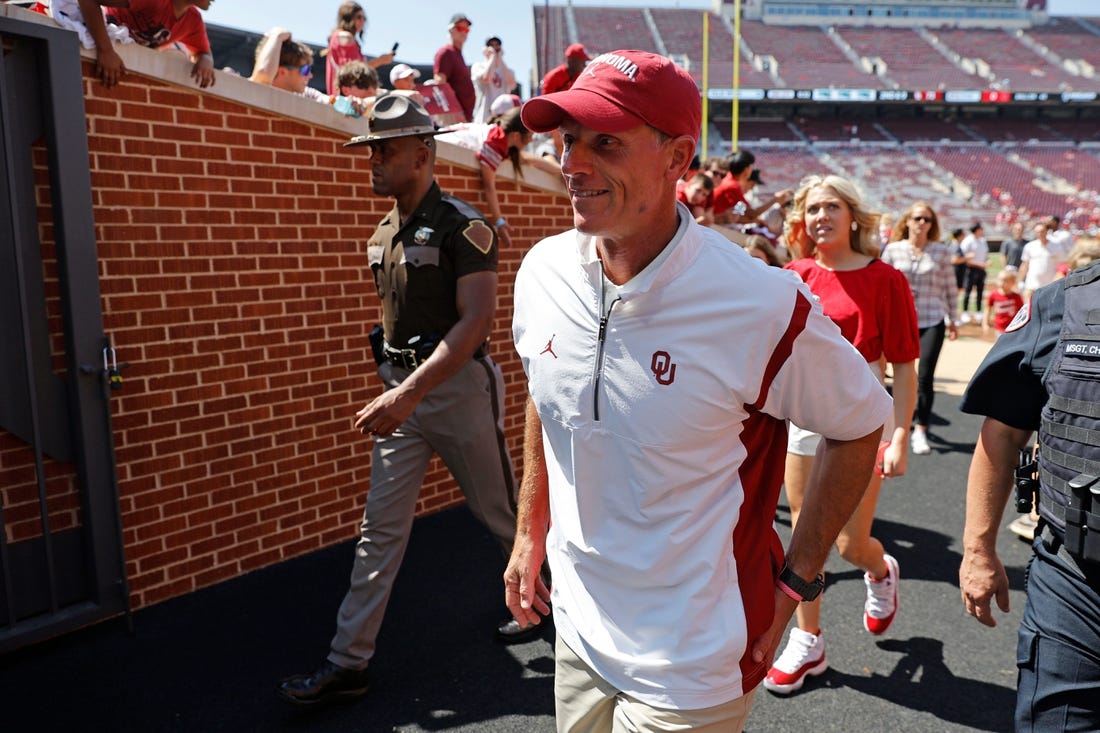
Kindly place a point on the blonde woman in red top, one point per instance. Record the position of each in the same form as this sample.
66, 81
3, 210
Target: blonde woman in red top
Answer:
871, 303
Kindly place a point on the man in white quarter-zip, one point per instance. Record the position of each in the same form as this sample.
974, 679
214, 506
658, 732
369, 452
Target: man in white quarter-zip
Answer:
662, 366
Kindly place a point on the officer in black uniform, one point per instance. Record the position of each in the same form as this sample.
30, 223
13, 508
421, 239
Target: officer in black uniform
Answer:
1037, 377
434, 261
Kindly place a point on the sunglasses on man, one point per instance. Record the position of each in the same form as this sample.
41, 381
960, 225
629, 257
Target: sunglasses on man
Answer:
304, 69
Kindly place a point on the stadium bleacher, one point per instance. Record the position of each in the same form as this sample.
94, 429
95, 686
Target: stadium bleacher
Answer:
992, 174
1079, 168
960, 139
910, 61
831, 129
999, 129
682, 33
783, 166
550, 30
893, 177
1082, 131
806, 57
1012, 64
912, 129
765, 130
606, 29
1072, 41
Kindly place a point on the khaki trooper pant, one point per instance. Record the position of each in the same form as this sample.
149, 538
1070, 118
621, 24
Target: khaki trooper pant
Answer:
462, 421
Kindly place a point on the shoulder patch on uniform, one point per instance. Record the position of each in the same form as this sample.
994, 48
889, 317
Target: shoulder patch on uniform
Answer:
1021, 318
462, 207
479, 235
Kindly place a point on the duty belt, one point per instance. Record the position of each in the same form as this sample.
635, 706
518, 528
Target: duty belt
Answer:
1055, 543
412, 358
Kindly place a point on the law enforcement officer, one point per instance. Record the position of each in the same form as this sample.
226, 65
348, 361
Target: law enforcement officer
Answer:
434, 261
1043, 373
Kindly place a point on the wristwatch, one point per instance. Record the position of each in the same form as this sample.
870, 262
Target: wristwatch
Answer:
800, 590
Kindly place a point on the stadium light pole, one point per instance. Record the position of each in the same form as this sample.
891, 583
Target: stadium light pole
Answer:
706, 77
736, 70
544, 61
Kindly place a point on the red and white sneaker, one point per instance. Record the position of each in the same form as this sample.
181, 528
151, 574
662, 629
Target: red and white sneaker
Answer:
882, 598
804, 656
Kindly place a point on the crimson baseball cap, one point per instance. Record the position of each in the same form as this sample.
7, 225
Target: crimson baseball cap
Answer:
621, 90
576, 51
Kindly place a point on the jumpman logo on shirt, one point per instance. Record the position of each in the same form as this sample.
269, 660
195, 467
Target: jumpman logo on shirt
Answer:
549, 347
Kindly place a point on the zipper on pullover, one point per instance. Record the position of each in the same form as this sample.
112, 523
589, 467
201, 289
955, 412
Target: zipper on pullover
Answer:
598, 367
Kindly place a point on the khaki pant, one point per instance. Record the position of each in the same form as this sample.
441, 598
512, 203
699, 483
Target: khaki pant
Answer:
587, 704
462, 420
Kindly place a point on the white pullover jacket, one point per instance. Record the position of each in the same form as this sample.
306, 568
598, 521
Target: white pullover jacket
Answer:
665, 436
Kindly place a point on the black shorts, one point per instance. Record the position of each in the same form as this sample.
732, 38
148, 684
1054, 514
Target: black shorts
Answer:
960, 276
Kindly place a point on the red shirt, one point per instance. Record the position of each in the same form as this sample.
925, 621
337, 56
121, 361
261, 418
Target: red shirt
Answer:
557, 80
727, 193
681, 196
449, 63
338, 55
489, 142
872, 305
1004, 307
154, 23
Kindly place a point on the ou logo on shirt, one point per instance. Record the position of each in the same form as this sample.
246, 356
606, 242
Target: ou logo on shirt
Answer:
662, 367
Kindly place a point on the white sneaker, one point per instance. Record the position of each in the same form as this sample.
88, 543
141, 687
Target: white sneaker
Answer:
918, 441
882, 598
803, 657
1024, 527
964, 317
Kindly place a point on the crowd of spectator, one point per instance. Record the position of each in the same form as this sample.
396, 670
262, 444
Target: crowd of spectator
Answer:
866, 269
476, 84
723, 192
284, 63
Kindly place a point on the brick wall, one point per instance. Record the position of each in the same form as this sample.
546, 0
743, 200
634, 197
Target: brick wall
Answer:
230, 226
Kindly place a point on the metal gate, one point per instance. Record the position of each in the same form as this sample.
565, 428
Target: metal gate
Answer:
61, 557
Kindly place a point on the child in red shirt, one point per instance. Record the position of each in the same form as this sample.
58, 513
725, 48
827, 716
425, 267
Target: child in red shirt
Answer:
1002, 303
698, 195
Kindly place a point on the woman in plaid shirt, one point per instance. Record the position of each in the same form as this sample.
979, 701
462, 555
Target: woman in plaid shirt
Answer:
916, 250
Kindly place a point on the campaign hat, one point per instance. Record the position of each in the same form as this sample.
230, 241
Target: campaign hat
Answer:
395, 115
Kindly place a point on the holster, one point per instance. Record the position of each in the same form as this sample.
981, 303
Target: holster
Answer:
377, 340
1026, 483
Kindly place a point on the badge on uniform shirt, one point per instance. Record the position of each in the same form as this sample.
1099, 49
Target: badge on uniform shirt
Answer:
1021, 318
479, 235
423, 235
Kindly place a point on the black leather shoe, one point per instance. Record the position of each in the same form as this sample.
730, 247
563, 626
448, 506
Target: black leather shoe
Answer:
510, 632
329, 683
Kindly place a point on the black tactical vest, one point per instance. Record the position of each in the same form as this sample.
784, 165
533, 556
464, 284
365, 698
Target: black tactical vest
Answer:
1069, 434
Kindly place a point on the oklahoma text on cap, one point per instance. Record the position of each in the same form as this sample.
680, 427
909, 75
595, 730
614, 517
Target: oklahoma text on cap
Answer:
621, 90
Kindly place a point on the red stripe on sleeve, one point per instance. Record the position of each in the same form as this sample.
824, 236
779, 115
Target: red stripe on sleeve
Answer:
757, 548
